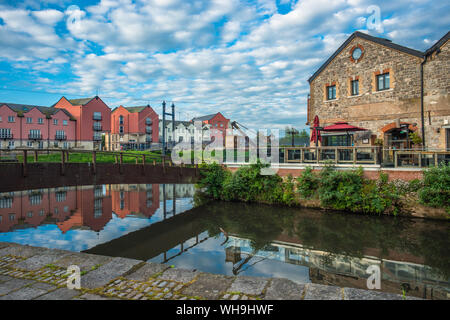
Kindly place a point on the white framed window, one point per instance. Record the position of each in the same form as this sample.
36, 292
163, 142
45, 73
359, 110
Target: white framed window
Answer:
64, 122
97, 116
11, 119
55, 122
29, 120
30, 144
40, 121
0, 118
383, 82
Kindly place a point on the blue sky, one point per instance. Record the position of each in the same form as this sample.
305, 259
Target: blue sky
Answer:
249, 59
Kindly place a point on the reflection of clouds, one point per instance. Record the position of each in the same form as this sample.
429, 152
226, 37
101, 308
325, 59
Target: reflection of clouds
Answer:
209, 256
50, 236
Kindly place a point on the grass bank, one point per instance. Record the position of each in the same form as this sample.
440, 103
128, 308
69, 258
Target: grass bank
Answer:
81, 157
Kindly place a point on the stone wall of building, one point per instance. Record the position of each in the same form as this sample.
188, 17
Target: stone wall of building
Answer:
372, 109
436, 97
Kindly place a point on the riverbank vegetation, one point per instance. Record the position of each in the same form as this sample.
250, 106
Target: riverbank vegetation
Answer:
345, 190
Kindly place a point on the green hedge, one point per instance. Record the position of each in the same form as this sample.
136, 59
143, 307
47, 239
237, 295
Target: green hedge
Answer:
436, 187
345, 190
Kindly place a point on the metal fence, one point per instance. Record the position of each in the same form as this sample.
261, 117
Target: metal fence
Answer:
373, 155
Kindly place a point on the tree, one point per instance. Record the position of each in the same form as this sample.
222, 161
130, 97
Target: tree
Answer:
292, 132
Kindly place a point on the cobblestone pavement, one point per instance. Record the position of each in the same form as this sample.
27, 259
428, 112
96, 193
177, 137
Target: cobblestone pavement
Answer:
38, 273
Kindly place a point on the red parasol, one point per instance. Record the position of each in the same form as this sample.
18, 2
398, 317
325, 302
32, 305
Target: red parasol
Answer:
316, 136
342, 126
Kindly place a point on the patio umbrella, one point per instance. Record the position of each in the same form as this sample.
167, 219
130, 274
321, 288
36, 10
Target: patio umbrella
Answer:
343, 126
315, 135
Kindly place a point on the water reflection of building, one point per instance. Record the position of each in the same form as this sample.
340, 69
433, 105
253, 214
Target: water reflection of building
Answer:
180, 190
31, 208
93, 209
134, 199
346, 271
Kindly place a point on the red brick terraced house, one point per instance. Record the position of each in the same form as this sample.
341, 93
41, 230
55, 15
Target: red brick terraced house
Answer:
387, 89
218, 124
133, 128
93, 120
23, 126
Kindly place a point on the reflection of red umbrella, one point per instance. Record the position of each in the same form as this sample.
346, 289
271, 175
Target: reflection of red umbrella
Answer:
316, 136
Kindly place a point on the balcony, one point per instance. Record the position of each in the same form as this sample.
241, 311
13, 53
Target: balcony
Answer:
97, 117
60, 137
97, 138
35, 136
97, 127
6, 135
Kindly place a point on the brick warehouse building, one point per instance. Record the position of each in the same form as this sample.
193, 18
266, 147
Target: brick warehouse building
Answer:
135, 128
387, 89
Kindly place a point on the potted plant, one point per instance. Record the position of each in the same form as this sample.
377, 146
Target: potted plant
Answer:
415, 139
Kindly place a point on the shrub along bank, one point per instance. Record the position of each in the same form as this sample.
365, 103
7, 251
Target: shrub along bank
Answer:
345, 190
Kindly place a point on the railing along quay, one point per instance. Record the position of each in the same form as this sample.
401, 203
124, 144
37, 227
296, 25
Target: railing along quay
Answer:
22, 155
373, 155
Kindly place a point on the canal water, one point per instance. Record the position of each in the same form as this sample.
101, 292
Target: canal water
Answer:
168, 223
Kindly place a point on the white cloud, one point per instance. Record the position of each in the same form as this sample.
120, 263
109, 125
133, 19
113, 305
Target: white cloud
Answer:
49, 16
243, 58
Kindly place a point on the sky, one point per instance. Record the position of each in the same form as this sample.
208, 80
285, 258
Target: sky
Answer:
248, 59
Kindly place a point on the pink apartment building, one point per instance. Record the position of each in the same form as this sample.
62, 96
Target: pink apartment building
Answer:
35, 127
135, 128
93, 120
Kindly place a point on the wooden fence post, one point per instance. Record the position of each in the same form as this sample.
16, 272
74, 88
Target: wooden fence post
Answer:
24, 164
395, 159
94, 161
63, 160
35, 156
121, 163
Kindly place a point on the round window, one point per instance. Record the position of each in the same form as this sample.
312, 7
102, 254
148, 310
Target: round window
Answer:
357, 53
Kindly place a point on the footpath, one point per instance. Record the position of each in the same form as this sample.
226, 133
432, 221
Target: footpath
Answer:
33, 273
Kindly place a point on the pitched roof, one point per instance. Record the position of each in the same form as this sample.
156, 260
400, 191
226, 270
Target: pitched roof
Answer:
382, 41
204, 118
80, 102
177, 122
23, 107
438, 44
48, 111
136, 109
